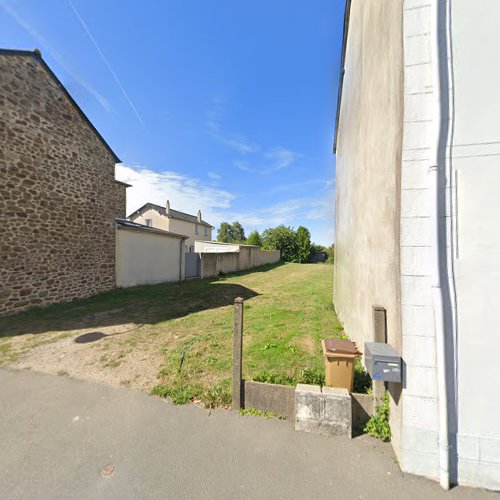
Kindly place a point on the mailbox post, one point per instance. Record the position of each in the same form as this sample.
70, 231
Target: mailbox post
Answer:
379, 318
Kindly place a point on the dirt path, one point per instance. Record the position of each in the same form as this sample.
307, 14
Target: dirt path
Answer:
111, 358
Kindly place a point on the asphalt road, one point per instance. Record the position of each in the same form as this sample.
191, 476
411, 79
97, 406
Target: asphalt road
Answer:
64, 438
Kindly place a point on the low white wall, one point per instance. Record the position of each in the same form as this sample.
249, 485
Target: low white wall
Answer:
215, 247
229, 262
146, 258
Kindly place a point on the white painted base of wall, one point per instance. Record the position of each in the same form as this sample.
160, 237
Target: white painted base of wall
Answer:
419, 455
479, 461
478, 457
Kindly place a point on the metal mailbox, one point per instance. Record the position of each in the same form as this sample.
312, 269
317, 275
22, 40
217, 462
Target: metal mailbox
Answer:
382, 362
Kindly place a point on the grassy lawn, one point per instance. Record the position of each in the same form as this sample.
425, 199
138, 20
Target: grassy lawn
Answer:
141, 336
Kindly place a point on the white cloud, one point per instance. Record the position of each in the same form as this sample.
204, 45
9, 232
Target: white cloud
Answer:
243, 166
234, 141
264, 161
294, 212
185, 193
270, 161
281, 157
189, 194
214, 175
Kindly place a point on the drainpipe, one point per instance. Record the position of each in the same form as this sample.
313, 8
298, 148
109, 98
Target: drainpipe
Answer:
437, 230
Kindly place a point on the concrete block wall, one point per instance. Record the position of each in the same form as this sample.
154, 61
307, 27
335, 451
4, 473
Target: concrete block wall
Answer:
420, 405
229, 262
472, 249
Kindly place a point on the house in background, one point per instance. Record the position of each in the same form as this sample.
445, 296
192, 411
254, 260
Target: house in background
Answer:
417, 204
192, 226
58, 193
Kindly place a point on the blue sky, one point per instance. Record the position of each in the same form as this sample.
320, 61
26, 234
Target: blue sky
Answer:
223, 105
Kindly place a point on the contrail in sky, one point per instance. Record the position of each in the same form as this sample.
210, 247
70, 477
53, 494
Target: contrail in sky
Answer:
60, 60
103, 57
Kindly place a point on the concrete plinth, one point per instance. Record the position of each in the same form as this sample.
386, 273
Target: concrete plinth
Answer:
325, 410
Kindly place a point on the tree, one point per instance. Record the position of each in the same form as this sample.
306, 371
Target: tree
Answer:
254, 239
231, 233
304, 243
284, 239
331, 253
225, 233
238, 232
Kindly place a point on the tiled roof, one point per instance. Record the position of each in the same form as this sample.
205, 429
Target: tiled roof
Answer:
125, 223
174, 214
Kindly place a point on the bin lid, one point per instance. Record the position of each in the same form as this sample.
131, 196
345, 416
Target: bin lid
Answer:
341, 346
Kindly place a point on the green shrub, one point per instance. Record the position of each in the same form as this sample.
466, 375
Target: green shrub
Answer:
178, 394
254, 239
378, 425
312, 376
218, 395
181, 393
275, 378
362, 380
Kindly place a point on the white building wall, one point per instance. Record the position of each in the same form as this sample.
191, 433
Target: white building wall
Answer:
369, 141
420, 404
473, 247
144, 258
215, 247
476, 167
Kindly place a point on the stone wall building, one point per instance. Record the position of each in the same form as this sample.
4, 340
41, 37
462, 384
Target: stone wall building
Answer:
58, 193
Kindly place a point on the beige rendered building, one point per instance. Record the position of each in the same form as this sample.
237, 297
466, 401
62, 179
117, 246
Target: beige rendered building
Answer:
192, 226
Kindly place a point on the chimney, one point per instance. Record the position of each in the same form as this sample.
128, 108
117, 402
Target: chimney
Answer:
167, 207
199, 215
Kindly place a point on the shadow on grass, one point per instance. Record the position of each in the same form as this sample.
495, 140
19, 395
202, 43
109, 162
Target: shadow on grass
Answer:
261, 269
139, 305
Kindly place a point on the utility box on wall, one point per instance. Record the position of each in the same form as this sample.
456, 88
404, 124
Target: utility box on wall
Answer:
382, 362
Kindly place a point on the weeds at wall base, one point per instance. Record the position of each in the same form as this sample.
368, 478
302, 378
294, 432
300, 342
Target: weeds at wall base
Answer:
179, 393
378, 424
261, 413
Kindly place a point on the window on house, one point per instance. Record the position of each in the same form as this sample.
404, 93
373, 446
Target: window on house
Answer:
196, 230
206, 231
149, 222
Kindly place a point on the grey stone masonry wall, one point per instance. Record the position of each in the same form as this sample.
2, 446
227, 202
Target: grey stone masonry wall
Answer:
58, 196
120, 200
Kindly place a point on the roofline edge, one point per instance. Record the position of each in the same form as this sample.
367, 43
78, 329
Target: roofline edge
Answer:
37, 54
347, 13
